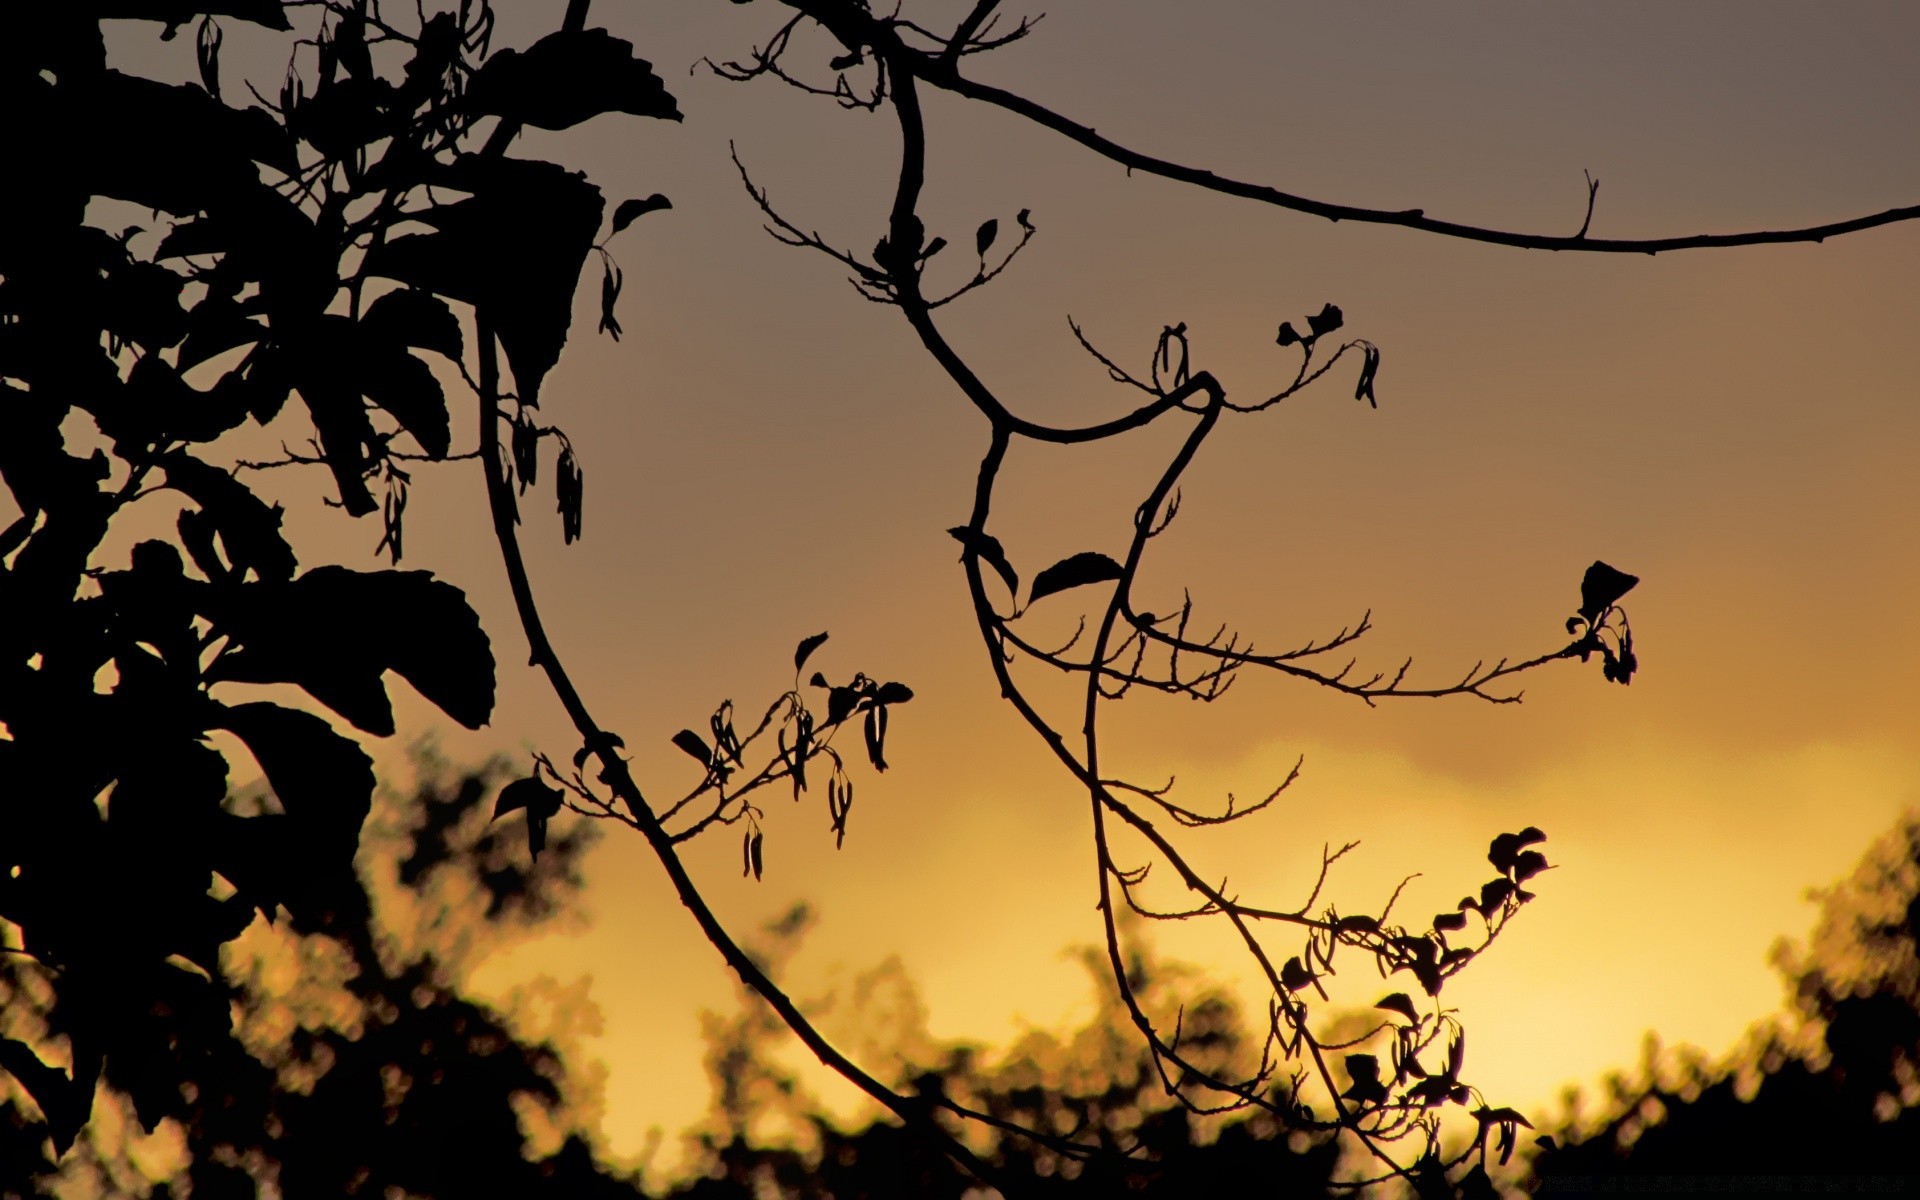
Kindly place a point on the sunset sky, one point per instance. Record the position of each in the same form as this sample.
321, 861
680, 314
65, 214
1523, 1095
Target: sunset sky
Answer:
768, 455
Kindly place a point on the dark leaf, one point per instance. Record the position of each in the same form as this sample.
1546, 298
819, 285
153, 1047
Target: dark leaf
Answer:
1601, 588
1363, 1070
410, 317
630, 211
1288, 335
983, 237
335, 632
933, 247
805, 650
840, 702
525, 445
324, 781
568, 77
1528, 865
1502, 851
1400, 1003
1356, 925
876, 731
1493, 894
893, 693
1328, 319
1369, 367
249, 530
1294, 976
695, 746
844, 62
1448, 922
570, 493
754, 857
818, 680
1088, 566
610, 284
1024, 218
207, 51
514, 248
988, 549
531, 793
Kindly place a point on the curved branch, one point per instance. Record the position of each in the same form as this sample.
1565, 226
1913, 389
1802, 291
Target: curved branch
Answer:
942, 73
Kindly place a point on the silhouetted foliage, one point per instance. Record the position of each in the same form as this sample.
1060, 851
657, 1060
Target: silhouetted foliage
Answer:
1827, 1093
358, 1063
277, 235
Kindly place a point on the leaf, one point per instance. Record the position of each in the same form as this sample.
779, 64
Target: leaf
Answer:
988, 549
1448, 922
411, 317
1601, 588
569, 77
540, 802
524, 442
335, 632
1023, 217
1288, 335
1493, 894
840, 704
983, 237
569, 493
1528, 865
1356, 924
610, 284
805, 650
1502, 851
893, 693
324, 781
249, 530
207, 52
1363, 1072
1369, 367
754, 857
876, 731
1086, 567
1328, 319
695, 747
514, 249
1400, 1002
933, 247
1294, 976
405, 387
530, 793
630, 211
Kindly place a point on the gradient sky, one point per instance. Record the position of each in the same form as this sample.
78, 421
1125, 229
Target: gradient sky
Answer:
768, 455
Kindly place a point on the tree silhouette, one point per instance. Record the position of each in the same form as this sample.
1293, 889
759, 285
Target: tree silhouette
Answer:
365, 239
1826, 1091
359, 1062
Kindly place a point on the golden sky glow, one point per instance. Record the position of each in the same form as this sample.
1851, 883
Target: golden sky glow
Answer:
768, 455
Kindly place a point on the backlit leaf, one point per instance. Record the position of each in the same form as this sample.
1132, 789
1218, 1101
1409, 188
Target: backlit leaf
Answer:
1088, 566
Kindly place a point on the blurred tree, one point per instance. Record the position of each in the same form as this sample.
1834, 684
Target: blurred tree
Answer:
360, 1063
1828, 1089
